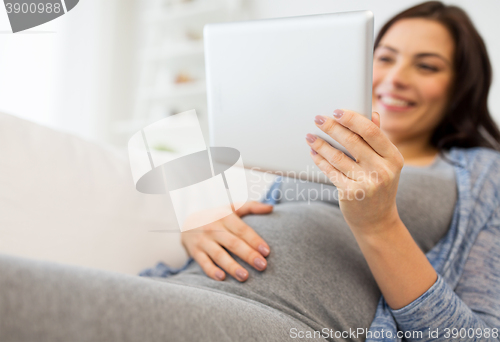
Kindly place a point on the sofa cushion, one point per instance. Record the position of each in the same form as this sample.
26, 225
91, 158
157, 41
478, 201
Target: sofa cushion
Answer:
66, 199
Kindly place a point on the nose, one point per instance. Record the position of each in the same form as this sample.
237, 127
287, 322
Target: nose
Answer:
398, 76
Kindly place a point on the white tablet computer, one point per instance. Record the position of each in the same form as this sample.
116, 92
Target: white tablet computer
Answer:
267, 80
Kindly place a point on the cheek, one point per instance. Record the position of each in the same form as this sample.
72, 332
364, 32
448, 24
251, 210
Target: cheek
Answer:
435, 92
434, 97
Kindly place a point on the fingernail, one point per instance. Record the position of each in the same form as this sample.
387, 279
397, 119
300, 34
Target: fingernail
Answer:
311, 138
219, 275
338, 113
314, 152
263, 250
319, 119
259, 263
241, 274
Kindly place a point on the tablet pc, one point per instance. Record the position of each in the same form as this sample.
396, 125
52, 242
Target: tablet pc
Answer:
267, 80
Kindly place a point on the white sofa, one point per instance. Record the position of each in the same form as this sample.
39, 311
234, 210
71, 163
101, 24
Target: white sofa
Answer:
72, 201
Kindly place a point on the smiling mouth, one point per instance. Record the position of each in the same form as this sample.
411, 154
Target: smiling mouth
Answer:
394, 102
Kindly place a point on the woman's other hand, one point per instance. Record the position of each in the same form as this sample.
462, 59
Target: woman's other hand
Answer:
208, 244
368, 186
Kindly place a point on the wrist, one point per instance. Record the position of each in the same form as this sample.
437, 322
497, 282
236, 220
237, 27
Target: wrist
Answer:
391, 233
379, 228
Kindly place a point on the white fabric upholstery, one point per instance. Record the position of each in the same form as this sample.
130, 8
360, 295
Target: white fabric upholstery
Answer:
69, 200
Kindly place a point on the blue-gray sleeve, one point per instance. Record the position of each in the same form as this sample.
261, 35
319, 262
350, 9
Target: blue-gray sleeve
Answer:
441, 309
272, 196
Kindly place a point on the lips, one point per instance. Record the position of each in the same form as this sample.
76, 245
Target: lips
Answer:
395, 102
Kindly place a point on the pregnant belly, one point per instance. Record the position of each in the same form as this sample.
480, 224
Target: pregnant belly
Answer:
316, 271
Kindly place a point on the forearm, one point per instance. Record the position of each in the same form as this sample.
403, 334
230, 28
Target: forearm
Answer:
440, 315
398, 265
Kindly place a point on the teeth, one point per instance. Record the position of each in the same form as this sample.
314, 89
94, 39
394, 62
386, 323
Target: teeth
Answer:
391, 101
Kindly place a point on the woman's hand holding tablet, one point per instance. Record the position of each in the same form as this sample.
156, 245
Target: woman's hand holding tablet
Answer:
367, 185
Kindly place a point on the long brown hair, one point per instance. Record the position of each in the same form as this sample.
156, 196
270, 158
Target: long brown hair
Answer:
467, 121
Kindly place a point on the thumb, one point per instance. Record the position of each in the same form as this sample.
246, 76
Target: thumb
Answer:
254, 207
376, 119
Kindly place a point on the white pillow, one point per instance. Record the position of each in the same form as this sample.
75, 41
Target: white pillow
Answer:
69, 200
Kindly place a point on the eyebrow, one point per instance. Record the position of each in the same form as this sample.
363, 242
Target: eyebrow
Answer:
423, 54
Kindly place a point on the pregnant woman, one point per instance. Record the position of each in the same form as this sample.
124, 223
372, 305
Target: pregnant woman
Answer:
404, 244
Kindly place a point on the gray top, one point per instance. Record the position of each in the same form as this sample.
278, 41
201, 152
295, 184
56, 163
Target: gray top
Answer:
316, 272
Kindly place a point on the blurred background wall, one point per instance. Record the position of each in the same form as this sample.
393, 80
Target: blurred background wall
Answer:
107, 68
